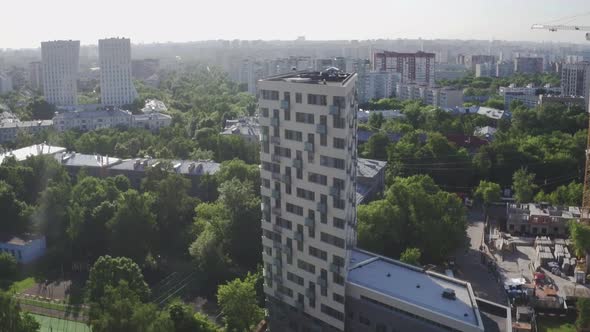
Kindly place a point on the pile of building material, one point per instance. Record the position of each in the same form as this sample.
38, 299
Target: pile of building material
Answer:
543, 255
543, 241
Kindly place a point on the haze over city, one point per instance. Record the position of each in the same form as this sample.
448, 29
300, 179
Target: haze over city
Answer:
183, 20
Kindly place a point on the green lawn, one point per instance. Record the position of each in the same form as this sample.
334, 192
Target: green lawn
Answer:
22, 285
549, 324
50, 324
53, 306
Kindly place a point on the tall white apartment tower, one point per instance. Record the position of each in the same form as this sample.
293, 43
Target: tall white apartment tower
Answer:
60, 61
308, 171
116, 83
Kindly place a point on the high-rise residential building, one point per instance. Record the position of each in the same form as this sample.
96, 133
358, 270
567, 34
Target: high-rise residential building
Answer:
481, 59
416, 67
315, 279
486, 69
573, 79
5, 84
376, 85
60, 61
308, 156
504, 69
528, 65
116, 83
35, 75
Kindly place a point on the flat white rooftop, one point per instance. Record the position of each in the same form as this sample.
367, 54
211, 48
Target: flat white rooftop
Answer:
400, 281
33, 150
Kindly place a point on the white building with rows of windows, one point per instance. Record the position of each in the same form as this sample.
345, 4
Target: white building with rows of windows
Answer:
60, 60
315, 279
116, 82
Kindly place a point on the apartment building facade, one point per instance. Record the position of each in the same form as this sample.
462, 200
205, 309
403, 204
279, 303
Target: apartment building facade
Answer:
573, 79
416, 67
60, 61
528, 65
308, 156
116, 82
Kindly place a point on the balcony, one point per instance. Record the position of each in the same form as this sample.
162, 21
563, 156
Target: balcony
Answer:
308, 146
264, 137
275, 140
264, 207
286, 179
275, 158
334, 110
322, 282
278, 278
288, 250
309, 222
310, 293
275, 194
298, 236
274, 122
297, 163
285, 104
299, 305
335, 192
335, 268
276, 176
322, 207
278, 295
278, 262
277, 211
277, 228
277, 244
321, 129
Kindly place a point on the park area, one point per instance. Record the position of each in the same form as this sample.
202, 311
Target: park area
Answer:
51, 324
555, 324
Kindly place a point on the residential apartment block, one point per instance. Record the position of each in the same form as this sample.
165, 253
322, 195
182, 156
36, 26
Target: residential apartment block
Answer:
308, 155
481, 59
5, 84
528, 65
573, 79
9, 130
116, 82
315, 279
539, 219
60, 61
109, 118
416, 67
35, 75
438, 97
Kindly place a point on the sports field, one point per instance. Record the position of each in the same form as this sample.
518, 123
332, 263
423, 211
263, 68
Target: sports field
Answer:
50, 324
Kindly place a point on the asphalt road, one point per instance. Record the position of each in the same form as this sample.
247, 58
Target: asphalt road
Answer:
470, 267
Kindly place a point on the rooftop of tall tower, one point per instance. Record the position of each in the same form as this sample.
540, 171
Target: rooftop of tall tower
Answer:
330, 76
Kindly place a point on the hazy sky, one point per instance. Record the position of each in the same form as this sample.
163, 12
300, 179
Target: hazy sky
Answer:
25, 23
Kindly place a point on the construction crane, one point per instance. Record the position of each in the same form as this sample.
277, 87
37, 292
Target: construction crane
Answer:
555, 28
585, 212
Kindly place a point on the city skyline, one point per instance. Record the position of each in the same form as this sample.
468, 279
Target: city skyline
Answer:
180, 21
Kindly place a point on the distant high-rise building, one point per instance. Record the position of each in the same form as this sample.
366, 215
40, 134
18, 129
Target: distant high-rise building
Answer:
60, 62
486, 69
35, 76
5, 84
573, 79
376, 85
116, 83
416, 67
528, 65
461, 59
143, 69
479, 59
504, 69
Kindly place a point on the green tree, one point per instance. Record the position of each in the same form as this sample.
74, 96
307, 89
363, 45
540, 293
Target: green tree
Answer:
186, 320
7, 269
411, 256
413, 214
583, 320
41, 109
12, 318
488, 192
523, 185
376, 146
120, 309
376, 120
237, 300
109, 271
12, 221
133, 219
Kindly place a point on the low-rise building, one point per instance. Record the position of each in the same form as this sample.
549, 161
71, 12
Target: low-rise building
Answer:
29, 151
383, 294
568, 101
24, 249
246, 128
10, 129
364, 115
370, 177
135, 170
109, 118
154, 105
539, 219
439, 97
93, 164
486, 132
